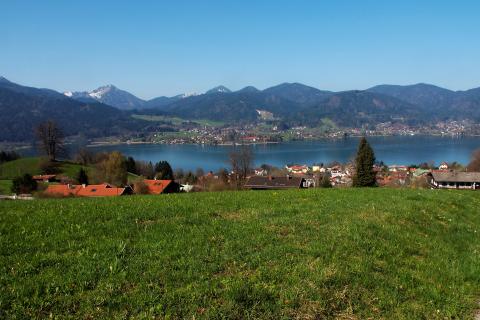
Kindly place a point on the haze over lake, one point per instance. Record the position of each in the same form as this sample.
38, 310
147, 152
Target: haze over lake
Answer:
392, 150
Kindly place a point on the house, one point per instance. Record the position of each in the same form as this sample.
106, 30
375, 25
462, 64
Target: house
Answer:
297, 168
161, 186
399, 177
250, 139
336, 171
260, 172
45, 178
186, 187
102, 190
92, 190
397, 168
420, 172
64, 190
455, 180
318, 168
311, 181
443, 166
263, 183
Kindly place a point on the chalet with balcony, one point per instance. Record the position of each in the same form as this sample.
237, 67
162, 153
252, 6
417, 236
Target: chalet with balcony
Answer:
455, 180
265, 183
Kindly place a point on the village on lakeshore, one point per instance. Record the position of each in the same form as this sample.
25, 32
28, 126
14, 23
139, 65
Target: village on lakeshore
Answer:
104, 174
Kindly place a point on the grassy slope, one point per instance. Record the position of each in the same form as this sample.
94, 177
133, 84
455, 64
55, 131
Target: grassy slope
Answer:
379, 253
5, 186
12, 169
178, 121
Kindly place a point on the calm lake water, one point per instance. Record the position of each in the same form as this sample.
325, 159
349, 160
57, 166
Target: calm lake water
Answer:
391, 150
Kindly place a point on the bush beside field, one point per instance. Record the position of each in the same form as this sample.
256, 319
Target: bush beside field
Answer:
318, 253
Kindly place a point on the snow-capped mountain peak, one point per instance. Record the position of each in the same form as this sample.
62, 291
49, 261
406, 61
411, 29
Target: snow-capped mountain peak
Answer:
219, 89
186, 95
109, 94
101, 91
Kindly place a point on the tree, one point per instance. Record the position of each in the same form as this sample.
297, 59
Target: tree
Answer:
140, 187
47, 166
113, 169
131, 165
84, 156
82, 176
364, 176
474, 164
223, 175
179, 174
6, 156
199, 173
325, 182
50, 138
163, 171
241, 162
190, 178
24, 184
145, 169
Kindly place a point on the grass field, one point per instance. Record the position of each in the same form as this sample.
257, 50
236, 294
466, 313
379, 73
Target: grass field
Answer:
5, 186
319, 253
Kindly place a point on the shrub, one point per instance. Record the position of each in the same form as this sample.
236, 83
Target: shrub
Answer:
24, 184
140, 187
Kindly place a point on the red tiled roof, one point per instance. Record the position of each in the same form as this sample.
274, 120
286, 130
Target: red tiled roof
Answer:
298, 167
156, 186
44, 177
100, 190
62, 189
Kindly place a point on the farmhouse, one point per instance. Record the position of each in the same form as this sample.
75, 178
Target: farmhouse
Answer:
455, 180
64, 190
93, 190
160, 186
262, 183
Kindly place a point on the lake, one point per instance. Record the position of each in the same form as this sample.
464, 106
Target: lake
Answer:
392, 150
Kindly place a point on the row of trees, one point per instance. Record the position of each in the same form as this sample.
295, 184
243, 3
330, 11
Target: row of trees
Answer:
6, 156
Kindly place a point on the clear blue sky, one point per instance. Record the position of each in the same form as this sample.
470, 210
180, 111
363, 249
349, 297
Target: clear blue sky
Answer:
153, 48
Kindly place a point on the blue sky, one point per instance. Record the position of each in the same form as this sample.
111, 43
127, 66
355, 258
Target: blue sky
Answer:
154, 48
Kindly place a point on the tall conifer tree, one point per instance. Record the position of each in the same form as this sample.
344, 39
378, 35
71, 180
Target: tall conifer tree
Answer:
364, 176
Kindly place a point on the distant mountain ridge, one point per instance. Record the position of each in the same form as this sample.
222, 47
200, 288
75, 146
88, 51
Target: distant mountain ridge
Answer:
107, 110
23, 108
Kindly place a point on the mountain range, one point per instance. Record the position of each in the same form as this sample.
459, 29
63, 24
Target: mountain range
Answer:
108, 110
23, 108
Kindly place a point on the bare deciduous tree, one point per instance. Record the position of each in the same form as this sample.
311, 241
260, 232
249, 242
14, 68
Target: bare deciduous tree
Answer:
241, 161
474, 164
50, 138
85, 156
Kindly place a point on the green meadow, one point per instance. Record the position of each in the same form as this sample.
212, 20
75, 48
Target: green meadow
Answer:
307, 254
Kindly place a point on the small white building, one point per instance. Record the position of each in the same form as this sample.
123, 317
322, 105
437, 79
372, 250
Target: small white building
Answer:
297, 169
260, 172
443, 166
318, 168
